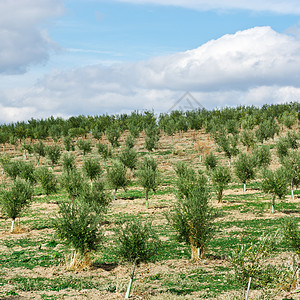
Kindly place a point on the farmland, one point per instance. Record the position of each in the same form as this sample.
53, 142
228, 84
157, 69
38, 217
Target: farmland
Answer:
35, 261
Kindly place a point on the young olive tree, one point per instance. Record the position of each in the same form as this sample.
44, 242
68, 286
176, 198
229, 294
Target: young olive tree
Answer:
47, 179
113, 133
39, 151
92, 169
210, 161
84, 146
15, 199
104, 150
68, 143
148, 176
136, 243
53, 152
68, 162
152, 137
192, 218
245, 168
262, 156
247, 138
74, 183
275, 183
220, 178
128, 157
291, 164
130, 141
117, 177
78, 225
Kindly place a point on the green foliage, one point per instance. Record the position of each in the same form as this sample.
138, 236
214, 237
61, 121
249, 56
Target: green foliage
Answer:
117, 176
53, 152
130, 141
26, 171
39, 150
220, 177
68, 143
192, 218
227, 143
291, 164
78, 226
282, 148
210, 161
247, 259
16, 198
11, 168
152, 137
247, 138
137, 242
104, 150
291, 234
92, 168
97, 198
292, 140
74, 183
288, 119
187, 179
84, 146
68, 162
275, 183
148, 175
245, 168
47, 179
128, 157
113, 134
266, 130
262, 156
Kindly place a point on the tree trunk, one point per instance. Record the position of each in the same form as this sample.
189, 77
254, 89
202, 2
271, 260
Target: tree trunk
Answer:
147, 202
12, 225
115, 195
127, 295
194, 249
244, 187
292, 189
273, 204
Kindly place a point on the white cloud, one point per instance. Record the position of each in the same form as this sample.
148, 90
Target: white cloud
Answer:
277, 6
251, 67
23, 41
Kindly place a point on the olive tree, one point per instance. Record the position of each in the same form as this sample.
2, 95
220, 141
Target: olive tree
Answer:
192, 218
275, 183
220, 178
148, 176
117, 177
15, 199
92, 169
84, 146
53, 152
47, 179
136, 243
245, 168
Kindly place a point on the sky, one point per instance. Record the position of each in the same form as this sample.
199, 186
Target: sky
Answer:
64, 58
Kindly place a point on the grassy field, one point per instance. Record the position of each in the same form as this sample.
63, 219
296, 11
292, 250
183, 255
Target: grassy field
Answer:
33, 259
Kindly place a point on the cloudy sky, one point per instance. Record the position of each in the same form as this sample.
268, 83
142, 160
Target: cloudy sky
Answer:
71, 57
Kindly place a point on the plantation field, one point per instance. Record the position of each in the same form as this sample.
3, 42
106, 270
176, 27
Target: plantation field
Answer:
33, 260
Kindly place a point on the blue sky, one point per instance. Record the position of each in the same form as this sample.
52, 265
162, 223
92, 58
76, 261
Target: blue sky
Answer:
90, 57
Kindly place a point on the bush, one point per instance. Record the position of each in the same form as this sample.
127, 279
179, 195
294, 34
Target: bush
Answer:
39, 150
15, 199
248, 139
130, 141
47, 180
192, 218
